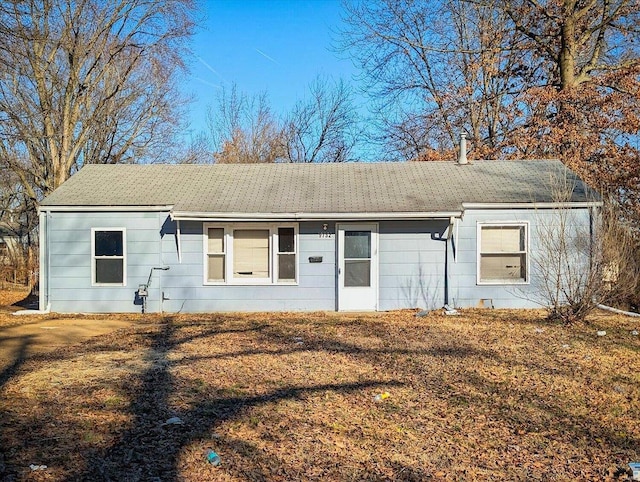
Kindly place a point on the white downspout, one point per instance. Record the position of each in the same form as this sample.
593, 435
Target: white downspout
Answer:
161, 294
48, 222
620, 312
45, 267
455, 240
44, 272
178, 242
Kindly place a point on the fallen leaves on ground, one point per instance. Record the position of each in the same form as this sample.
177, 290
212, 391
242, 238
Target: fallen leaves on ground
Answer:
9, 297
487, 395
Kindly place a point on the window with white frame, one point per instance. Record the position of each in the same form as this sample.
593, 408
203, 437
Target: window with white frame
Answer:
250, 253
502, 253
286, 254
216, 254
108, 250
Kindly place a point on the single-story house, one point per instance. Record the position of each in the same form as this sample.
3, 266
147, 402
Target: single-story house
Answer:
264, 237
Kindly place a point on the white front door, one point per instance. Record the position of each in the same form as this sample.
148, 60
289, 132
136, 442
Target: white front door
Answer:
357, 267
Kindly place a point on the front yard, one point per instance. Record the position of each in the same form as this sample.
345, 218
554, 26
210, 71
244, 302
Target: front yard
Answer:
488, 395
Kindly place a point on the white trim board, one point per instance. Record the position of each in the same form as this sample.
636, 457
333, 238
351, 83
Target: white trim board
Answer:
231, 217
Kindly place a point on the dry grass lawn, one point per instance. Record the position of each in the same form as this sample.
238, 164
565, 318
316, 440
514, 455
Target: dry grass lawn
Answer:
488, 395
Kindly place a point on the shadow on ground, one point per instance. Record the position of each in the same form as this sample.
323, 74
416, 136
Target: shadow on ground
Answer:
444, 371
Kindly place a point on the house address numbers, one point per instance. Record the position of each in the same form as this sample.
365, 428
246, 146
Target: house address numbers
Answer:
325, 233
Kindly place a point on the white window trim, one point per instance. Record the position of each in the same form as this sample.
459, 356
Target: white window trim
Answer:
228, 262
527, 252
224, 252
124, 257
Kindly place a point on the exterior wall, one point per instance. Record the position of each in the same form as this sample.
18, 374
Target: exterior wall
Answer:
67, 257
464, 288
411, 256
412, 264
151, 242
183, 283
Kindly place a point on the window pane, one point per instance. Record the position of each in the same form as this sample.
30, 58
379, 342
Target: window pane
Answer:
251, 253
357, 244
215, 240
286, 267
502, 267
216, 268
502, 239
109, 270
357, 272
285, 240
108, 243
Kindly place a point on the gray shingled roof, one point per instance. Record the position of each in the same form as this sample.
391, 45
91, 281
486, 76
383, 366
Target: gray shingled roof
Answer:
315, 188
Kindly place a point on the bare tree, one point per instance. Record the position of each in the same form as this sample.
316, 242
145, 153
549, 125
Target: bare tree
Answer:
323, 127
580, 263
533, 78
244, 130
437, 68
198, 150
18, 221
584, 109
87, 82
578, 41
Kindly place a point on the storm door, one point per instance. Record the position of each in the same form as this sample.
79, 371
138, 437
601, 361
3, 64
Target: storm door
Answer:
357, 267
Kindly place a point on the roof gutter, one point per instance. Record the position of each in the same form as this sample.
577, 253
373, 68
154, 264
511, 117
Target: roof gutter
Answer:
103, 208
206, 216
533, 205
240, 216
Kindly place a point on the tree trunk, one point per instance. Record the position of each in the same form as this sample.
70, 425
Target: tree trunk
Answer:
567, 56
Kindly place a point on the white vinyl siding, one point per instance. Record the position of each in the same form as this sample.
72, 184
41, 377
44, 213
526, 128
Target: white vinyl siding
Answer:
250, 253
502, 253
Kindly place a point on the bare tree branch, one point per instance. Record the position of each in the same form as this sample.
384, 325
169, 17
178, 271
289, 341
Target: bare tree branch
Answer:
322, 128
88, 82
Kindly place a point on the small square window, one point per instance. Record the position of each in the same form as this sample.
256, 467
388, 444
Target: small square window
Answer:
109, 243
109, 271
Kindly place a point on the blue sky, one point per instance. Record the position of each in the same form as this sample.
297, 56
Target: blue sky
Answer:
277, 46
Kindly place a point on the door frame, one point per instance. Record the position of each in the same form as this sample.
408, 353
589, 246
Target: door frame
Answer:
341, 295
